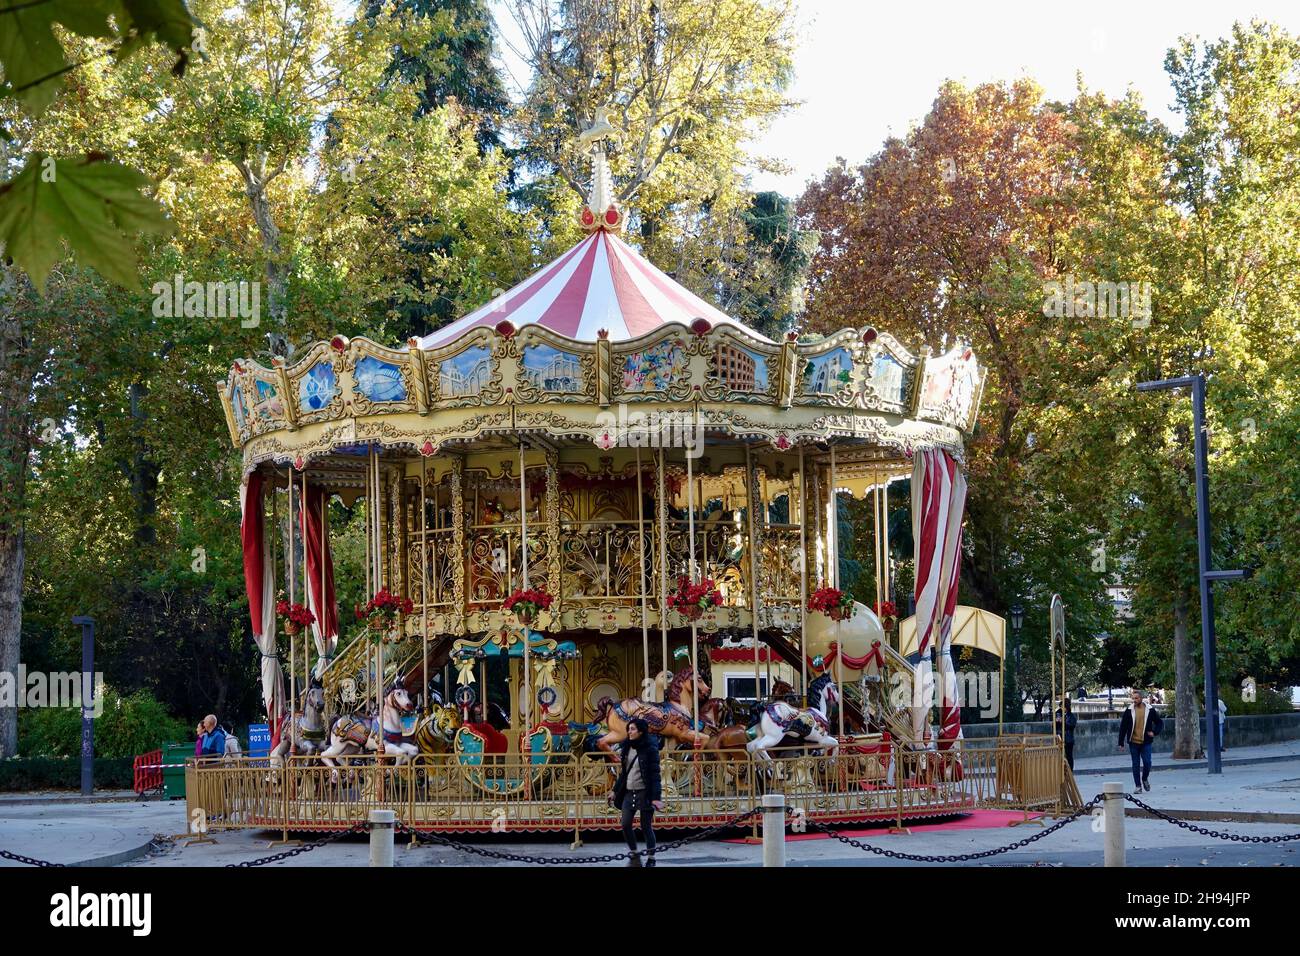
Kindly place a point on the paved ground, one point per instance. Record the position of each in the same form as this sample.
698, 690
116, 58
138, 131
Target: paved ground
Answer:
1256, 781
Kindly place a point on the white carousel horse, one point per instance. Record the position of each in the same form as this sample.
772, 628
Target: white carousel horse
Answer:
352, 734
779, 720
311, 733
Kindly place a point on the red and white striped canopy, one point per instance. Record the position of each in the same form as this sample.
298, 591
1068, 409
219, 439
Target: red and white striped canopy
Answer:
601, 283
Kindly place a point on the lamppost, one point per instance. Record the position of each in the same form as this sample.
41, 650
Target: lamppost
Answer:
1017, 611
1207, 576
87, 703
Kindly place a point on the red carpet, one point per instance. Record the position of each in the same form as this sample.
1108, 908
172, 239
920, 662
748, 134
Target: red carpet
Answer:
978, 820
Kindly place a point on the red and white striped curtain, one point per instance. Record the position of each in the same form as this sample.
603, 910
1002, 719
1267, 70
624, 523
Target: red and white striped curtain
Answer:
315, 536
259, 581
938, 503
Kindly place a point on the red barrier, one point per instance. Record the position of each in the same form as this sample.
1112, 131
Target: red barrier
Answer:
147, 772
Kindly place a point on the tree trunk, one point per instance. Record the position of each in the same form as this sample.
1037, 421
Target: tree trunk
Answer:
15, 450
1187, 729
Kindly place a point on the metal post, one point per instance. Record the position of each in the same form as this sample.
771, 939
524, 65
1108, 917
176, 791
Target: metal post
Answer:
774, 829
1208, 650
1207, 575
87, 703
1113, 822
381, 837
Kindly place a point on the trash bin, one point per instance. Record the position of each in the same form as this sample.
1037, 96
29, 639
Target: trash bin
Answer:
174, 757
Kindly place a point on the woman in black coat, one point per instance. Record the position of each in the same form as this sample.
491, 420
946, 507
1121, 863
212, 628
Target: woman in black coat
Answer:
637, 787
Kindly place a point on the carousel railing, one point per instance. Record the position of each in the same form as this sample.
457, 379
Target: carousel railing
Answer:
602, 561
867, 780
433, 558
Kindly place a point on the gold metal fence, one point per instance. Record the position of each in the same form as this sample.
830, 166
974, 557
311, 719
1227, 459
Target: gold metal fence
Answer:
866, 781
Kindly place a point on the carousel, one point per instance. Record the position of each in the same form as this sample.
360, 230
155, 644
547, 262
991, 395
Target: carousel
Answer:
598, 497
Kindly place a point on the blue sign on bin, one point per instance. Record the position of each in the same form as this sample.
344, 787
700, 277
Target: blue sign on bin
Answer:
259, 740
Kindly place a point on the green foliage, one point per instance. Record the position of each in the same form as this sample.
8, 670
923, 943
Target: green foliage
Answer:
128, 726
1268, 700
96, 204
25, 774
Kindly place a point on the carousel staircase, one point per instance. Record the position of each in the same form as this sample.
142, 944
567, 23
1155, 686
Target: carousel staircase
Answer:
405, 658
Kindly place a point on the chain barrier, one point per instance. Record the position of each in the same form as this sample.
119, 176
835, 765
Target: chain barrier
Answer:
956, 857
27, 860
441, 840
1203, 831
305, 848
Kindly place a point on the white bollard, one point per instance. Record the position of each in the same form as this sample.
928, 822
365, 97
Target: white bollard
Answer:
381, 837
1113, 821
774, 829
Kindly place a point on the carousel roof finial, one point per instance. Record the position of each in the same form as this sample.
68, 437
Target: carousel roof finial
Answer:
601, 210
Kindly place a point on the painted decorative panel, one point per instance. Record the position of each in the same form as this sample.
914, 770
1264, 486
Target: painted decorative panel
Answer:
466, 373
740, 369
656, 368
551, 370
888, 378
828, 373
268, 405
317, 388
379, 381
237, 404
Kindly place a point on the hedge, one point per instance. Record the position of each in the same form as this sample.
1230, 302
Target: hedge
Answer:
63, 773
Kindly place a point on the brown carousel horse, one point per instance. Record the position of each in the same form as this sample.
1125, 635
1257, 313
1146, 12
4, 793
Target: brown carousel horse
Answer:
671, 719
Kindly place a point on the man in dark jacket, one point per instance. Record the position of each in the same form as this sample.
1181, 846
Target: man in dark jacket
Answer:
637, 787
1137, 728
212, 739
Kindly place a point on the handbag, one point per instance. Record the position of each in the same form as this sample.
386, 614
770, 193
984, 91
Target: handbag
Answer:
620, 787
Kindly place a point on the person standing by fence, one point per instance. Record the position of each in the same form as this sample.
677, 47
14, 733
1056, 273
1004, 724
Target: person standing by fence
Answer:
1064, 728
637, 788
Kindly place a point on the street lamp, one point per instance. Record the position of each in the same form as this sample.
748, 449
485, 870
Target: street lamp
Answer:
1207, 576
1017, 612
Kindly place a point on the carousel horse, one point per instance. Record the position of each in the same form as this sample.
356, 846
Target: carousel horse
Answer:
352, 734
780, 720
670, 719
307, 729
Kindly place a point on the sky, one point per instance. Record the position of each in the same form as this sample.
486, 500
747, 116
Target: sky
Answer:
867, 70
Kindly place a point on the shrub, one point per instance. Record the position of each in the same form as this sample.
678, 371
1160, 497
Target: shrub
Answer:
126, 726
62, 773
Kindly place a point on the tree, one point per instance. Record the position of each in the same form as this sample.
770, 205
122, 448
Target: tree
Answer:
688, 83
91, 202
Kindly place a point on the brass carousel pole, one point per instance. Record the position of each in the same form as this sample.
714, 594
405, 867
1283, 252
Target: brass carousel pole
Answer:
640, 537
293, 656
524, 691
753, 563
322, 606
303, 512
424, 583
803, 576
661, 509
690, 534
833, 530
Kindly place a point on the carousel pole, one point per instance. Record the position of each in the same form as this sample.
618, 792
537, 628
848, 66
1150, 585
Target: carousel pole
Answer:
303, 511
875, 537
524, 691
424, 584
690, 535
640, 537
803, 576
661, 508
293, 657
753, 562
833, 530
322, 603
